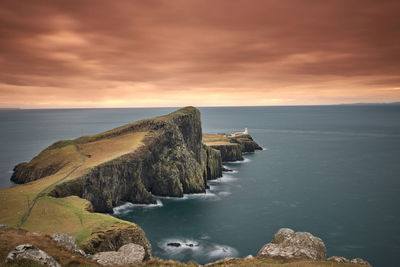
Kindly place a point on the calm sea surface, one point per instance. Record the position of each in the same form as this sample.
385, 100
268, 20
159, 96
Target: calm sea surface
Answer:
333, 171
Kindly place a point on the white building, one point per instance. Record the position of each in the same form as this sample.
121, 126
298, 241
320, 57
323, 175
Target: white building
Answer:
235, 134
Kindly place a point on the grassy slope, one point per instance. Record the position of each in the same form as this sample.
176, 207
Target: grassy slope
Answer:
216, 139
68, 215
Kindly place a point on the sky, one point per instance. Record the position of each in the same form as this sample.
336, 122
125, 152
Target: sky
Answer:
147, 53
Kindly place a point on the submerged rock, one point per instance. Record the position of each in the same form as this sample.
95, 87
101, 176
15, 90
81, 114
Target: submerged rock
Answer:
29, 252
289, 244
127, 254
65, 240
174, 244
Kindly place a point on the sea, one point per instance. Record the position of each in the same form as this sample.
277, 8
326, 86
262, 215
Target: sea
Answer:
333, 171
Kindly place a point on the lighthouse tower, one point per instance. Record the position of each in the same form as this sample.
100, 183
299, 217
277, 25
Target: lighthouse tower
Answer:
245, 131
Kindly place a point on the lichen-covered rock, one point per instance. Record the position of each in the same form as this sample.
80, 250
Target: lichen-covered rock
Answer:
360, 261
29, 252
69, 242
114, 237
338, 259
127, 254
289, 244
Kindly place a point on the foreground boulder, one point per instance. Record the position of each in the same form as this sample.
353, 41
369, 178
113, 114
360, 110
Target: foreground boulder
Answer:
29, 252
127, 254
113, 237
289, 244
358, 261
69, 242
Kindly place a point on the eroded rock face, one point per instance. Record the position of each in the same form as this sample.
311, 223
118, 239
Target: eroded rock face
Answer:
127, 254
289, 244
212, 163
114, 237
69, 242
29, 252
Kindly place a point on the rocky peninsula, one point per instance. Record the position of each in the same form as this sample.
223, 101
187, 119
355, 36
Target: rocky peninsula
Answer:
65, 189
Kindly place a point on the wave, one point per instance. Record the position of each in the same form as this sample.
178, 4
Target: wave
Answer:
224, 193
179, 248
128, 206
245, 160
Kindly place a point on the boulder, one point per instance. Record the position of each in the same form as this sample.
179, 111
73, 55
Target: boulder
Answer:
127, 254
289, 244
29, 252
65, 240
3, 225
360, 262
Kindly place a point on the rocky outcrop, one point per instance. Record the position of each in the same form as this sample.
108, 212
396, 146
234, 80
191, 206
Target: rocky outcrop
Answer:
357, 261
246, 143
233, 148
29, 252
127, 254
289, 244
114, 237
69, 242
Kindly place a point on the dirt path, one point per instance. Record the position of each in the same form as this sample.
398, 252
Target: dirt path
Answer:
44, 191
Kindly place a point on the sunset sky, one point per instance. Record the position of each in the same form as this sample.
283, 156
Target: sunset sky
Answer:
143, 53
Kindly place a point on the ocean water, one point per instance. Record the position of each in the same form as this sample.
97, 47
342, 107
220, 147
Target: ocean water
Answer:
333, 171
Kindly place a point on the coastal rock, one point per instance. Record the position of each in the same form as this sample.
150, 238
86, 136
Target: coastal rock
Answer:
127, 254
289, 244
29, 252
360, 261
65, 240
114, 237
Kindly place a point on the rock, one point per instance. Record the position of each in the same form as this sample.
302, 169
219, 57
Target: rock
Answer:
127, 254
174, 244
3, 225
67, 241
80, 252
338, 259
249, 257
29, 252
36, 233
360, 261
113, 237
289, 244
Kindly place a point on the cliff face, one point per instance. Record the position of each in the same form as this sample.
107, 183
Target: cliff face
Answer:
168, 164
